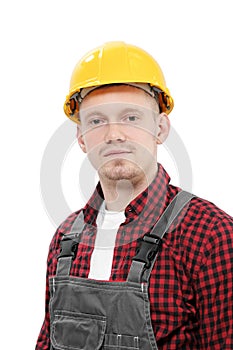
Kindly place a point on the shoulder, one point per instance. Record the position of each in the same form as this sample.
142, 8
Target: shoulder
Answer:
202, 219
206, 215
204, 231
217, 226
63, 229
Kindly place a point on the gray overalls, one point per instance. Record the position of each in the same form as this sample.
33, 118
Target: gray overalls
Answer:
88, 314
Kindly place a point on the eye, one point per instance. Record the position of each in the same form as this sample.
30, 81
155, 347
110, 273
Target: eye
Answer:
96, 122
131, 118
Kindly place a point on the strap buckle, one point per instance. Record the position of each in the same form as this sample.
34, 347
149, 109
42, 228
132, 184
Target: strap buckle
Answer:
68, 248
150, 246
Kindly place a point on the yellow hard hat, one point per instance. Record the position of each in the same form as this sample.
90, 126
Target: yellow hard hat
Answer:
112, 63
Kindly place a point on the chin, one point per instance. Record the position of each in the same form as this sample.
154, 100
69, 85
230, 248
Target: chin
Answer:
119, 170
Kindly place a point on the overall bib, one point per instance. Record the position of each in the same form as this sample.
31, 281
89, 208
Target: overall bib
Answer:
87, 314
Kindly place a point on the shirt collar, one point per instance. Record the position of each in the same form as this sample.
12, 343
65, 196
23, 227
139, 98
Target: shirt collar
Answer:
153, 198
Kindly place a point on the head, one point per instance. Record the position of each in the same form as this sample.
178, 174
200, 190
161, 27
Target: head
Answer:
119, 99
120, 129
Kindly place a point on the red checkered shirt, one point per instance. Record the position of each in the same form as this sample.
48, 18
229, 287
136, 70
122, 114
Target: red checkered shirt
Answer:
191, 284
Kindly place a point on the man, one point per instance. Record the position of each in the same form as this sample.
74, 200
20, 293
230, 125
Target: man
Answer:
143, 265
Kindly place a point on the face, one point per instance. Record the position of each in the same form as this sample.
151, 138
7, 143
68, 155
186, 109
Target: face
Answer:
120, 130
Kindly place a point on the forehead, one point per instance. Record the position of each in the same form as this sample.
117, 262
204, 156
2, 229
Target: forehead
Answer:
118, 94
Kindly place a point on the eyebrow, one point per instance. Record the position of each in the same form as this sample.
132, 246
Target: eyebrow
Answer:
90, 114
130, 109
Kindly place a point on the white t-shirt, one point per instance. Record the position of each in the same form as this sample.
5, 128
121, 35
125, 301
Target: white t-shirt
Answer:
108, 223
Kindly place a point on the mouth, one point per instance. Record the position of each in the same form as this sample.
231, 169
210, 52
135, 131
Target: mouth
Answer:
116, 152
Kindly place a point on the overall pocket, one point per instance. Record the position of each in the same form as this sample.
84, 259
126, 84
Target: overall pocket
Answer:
77, 331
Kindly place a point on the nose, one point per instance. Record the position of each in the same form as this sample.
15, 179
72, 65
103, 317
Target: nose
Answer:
114, 133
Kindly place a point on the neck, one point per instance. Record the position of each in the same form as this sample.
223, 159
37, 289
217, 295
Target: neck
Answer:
119, 193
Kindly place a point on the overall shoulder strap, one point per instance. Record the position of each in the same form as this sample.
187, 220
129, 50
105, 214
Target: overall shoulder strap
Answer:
69, 244
143, 262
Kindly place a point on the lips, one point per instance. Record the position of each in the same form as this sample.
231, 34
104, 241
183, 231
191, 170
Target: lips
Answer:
116, 152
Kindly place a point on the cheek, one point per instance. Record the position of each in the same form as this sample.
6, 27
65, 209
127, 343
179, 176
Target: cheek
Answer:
144, 137
93, 139
147, 146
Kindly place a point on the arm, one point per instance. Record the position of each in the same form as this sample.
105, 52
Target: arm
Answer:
215, 289
43, 341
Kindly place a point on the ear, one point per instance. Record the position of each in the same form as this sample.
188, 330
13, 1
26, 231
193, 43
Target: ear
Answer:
80, 139
163, 128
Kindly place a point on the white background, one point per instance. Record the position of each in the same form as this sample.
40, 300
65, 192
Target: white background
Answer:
40, 44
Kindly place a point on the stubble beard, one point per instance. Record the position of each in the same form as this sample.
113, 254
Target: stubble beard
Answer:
120, 169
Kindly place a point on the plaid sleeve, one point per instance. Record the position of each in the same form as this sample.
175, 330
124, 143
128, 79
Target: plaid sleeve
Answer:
43, 341
215, 289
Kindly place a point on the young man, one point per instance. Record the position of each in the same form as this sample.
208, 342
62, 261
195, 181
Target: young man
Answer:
143, 265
